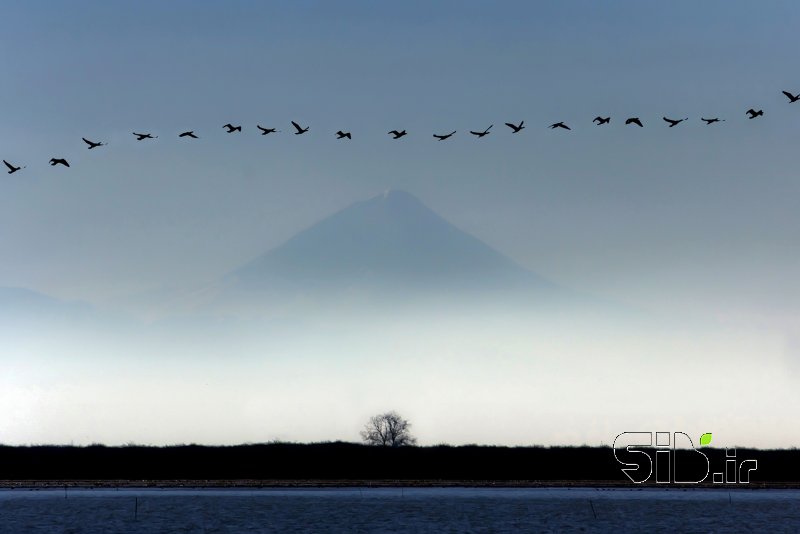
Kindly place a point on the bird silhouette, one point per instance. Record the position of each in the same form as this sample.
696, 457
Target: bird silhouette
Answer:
559, 125
92, 144
231, 128
636, 121
711, 121
142, 137
753, 113
515, 127
398, 135
11, 168
792, 98
190, 133
443, 137
299, 129
265, 131
481, 134
673, 122
58, 161
600, 120
341, 135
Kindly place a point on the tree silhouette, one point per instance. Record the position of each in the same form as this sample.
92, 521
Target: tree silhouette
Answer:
388, 430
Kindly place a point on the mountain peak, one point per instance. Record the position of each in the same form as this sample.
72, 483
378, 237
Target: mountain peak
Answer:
402, 202
397, 195
389, 240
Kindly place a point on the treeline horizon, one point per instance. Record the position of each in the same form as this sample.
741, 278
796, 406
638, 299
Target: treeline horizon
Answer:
343, 442
272, 442
347, 461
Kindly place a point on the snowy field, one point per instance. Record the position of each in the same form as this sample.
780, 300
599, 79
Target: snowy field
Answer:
399, 510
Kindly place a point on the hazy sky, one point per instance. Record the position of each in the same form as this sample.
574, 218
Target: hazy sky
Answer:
706, 214
693, 220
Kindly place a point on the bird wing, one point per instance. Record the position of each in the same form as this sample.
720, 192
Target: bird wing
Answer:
513, 126
10, 167
87, 141
65, 162
789, 95
299, 129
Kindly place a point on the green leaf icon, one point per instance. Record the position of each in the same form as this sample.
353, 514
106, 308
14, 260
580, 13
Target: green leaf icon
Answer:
705, 439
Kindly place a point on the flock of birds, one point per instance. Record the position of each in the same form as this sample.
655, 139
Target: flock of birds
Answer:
397, 134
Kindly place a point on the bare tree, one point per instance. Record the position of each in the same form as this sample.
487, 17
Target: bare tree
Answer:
388, 430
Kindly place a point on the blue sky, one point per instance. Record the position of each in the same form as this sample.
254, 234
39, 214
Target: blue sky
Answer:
691, 221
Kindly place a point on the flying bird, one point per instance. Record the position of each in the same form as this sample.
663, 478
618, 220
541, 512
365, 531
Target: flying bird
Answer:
559, 125
265, 131
92, 144
600, 120
190, 133
299, 129
11, 168
231, 128
58, 161
636, 121
673, 122
341, 135
792, 98
753, 113
443, 137
481, 134
398, 135
142, 137
711, 121
515, 127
